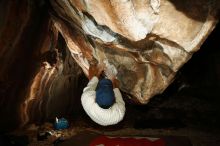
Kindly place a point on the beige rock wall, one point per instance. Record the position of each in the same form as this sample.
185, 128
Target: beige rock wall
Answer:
147, 41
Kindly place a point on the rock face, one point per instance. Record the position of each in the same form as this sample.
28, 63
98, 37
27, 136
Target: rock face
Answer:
39, 79
20, 43
146, 41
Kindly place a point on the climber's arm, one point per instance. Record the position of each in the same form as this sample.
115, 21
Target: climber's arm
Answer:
91, 86
94, 73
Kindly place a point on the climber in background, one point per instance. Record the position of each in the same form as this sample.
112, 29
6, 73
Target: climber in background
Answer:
101, 98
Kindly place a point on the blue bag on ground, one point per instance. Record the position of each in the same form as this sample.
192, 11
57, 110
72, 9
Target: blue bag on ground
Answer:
61, 124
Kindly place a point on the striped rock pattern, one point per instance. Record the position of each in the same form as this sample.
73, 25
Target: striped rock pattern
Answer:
147, 41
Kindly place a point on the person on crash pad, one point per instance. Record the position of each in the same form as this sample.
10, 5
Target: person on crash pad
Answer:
101, 98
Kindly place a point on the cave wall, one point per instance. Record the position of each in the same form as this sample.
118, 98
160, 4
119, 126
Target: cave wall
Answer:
19, 43
146, 41
39, 80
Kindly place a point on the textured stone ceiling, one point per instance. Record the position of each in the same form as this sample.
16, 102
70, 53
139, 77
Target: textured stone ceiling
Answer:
147, 41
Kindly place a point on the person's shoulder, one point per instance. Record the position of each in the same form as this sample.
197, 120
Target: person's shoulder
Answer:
116, 90
94, 79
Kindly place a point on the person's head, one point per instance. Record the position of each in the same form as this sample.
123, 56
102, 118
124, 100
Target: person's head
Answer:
105, 97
